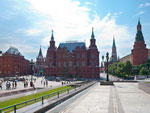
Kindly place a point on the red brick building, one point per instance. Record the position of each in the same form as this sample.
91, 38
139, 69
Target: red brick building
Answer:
72, 59
12, 63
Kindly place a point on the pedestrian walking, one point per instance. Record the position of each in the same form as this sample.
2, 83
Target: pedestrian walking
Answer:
34, 80
31, 84
46, 83
15, 84
7, 85
24, 84
1, 84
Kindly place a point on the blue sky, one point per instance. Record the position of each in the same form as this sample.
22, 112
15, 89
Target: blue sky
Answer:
27, 24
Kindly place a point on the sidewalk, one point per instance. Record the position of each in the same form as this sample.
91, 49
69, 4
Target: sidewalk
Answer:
120, 98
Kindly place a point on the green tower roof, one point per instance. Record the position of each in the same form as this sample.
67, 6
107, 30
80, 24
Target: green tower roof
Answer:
139, 34
139, 22
92, 36
40, 52
114, 45
52, 37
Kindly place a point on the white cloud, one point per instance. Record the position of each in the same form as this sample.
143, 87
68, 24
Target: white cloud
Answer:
141, 5
88, 3
144, 5
118, 13
147, 4
33, 32
71, 21
140, 13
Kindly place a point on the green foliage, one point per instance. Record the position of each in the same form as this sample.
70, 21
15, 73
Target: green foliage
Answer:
125, 70
143, 71
145, 68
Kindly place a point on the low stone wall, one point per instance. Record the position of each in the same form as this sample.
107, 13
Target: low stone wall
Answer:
141, 77
11, 92
106, 83
144, 86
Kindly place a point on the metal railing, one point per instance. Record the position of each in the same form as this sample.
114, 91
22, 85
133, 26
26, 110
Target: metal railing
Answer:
29, 102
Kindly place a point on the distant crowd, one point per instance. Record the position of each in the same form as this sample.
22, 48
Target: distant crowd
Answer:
13, 84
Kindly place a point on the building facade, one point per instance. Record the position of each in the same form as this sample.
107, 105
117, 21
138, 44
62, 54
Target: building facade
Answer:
72, 59
12, 63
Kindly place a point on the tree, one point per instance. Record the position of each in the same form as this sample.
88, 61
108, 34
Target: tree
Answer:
128, 68
143, 71
135, 70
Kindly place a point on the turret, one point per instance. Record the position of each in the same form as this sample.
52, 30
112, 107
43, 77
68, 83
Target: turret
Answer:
139, 34
40, 53
114, 52
92, 40
40, 59
52, 42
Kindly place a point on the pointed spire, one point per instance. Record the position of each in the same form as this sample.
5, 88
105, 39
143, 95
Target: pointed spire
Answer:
52, 37
139, 23
139, 34
114, 45
40, 52
92, 36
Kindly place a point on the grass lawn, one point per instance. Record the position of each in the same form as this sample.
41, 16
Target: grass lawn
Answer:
29, 97
147, 82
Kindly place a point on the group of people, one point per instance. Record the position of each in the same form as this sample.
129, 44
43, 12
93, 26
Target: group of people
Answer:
13, 85
8, 85
63, 83
26, 83
31, 84
45, 83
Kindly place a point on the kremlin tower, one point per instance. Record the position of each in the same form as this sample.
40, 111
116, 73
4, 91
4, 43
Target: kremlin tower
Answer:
139, 52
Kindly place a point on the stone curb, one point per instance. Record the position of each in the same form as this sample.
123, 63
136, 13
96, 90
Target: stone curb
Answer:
15, 92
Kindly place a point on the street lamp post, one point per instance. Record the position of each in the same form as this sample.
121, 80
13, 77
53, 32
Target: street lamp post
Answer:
107, 82
103, 61
107, 58
32, 69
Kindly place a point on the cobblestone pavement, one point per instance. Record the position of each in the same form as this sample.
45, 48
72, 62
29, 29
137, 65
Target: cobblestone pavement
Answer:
120, 98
